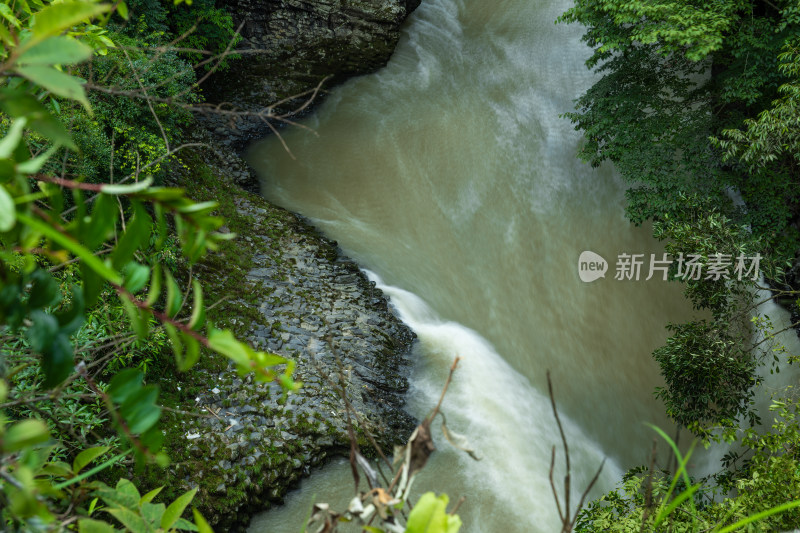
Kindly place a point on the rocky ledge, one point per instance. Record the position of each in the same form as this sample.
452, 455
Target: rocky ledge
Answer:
288, 290
289, 46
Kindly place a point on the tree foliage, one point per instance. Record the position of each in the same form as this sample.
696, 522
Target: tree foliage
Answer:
74, 238
695, 105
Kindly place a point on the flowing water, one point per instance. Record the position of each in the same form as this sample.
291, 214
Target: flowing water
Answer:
450, 176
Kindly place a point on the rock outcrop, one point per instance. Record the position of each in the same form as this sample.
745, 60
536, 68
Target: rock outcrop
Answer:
290, 46
288, 290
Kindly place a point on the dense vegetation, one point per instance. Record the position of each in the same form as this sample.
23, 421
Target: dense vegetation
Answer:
100, 305
697, 107
94, 248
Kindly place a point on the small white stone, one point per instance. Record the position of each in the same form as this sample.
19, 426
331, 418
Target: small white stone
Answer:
192, 436
215, 390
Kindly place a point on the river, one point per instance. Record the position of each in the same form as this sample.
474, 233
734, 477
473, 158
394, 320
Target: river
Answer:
450, 176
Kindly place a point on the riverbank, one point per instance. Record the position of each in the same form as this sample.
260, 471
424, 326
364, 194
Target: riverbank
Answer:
287, 289
282, 286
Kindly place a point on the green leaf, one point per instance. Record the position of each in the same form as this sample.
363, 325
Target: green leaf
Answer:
92, 285
139, 186
152, 512
56, 82
136, 235
175, 509
155, 286
174, 296
8, 211
86, 256
124, 384
224, 342
101, 225
130, 520
58, 361
71, 320
127, 493
136, 276
56, 18
55, 51
88, 525
192, 354
17, 103
44, 290
9, 143
139, 409
43, 329
201, 523
87, 456
5, 36
430, 516
122, 9
139, 318
32, 166
185, 525
198, 310
24, 434
147, 498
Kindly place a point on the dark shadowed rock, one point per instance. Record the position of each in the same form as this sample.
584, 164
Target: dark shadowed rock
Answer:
289, 46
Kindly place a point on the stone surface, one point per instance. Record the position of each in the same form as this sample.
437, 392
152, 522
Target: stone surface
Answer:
304, 300
290, 46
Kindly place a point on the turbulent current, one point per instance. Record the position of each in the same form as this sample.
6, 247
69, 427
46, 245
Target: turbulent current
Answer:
451, 177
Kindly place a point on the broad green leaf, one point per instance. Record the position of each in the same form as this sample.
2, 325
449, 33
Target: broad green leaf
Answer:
124, 384
57, 469
8, 211
139, 409
58, 361
56, 82
175, 509
56, 18
128, 493
224, 342
152, 512
24, 434
198, 208
136, 276
17, 103
174, 341
42, 331
88, 525
430, 516
130, 520
87, 456
44, 290
55, 51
